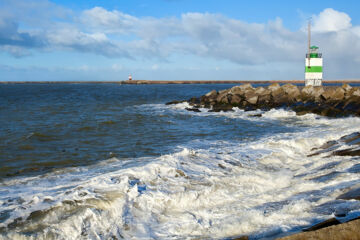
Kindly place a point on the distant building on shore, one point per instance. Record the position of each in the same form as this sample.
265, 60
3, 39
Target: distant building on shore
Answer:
313, 64
130, 77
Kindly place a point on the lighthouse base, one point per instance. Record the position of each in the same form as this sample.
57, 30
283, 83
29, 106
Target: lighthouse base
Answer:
313, 82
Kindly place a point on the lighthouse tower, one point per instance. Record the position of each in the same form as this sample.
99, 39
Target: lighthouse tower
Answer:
313, 64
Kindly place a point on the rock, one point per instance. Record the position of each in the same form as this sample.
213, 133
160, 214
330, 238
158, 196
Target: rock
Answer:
291, 90
193, 109
236, 90
327, 94
324, 224
242, 89
347, 152
181, 173
331, 102
348, 230
279, 96
351, 194
251, 97
211, 94
261, 91
311, 93
222, 98
274, 87
329, 112
264, 95
339, 94
246, 86
346, 87
194, 100
241, 238
255, 115
356, 93
174, 102
352, 104
351, 139
236, 100
221, 107
221, 166
252, 100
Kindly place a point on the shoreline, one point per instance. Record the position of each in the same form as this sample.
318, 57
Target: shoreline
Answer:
136, 82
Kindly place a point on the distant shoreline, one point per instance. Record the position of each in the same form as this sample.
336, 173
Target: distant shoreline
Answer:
136, 82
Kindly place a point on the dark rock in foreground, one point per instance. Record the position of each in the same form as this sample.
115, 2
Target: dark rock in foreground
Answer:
344, 231
324, 224
325, 101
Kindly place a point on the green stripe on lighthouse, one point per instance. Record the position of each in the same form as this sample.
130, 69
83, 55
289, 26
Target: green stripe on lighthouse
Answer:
313, 69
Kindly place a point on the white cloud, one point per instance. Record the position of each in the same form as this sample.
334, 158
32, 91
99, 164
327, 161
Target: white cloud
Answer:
108, 21
119, 35
331, 20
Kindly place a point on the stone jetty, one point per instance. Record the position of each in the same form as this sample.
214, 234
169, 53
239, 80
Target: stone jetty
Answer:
325, 101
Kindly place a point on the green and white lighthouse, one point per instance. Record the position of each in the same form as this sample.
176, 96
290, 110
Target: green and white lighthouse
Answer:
313, 64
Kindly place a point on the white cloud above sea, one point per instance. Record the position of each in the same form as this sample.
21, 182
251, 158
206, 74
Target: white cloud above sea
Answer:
118, 35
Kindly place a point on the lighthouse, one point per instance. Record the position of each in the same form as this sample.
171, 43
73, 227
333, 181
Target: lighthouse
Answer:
313, 64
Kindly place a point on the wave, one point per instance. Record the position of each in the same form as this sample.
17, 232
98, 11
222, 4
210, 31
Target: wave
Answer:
263, 188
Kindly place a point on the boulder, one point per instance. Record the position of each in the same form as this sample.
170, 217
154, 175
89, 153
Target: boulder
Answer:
346, 87
327, 94
251, 97
292, 92
348, 230
279, 96
235, 100
311, 93
211, 94
253, 100
242, 89
324, 224
224, 91
174, 102
222, 97
246, 86
221, 107
193, 109
226, 99
356, 92
347, 152
260, 90
264, 95
339, 94
352, 104
274, 86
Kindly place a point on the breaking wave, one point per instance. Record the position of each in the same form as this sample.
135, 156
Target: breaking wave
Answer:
206, 189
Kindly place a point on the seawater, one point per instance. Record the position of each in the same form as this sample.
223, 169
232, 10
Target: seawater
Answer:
110, 161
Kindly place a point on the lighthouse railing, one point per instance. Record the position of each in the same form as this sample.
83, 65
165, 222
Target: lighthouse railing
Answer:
319, 55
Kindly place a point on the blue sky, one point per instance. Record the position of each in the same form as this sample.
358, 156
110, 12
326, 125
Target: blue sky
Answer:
88, 40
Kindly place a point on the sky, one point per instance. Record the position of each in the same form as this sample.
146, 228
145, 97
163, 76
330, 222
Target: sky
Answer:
93, 40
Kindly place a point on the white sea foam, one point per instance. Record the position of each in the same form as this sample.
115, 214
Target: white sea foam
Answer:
262, 188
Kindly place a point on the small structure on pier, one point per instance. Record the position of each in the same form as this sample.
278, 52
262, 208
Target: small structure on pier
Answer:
313, 64
130, 77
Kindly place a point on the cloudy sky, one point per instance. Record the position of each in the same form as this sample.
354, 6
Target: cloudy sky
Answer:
64, 40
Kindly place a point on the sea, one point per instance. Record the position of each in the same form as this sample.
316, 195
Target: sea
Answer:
112, 161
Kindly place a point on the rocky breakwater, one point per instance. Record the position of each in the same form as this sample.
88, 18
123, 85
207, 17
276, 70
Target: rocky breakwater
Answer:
325, 101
